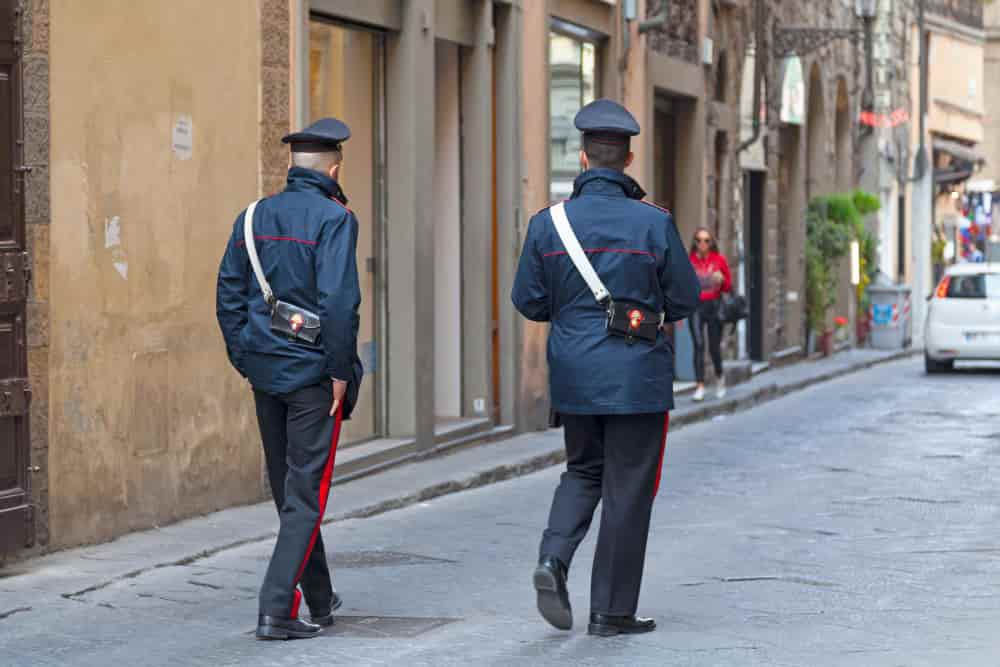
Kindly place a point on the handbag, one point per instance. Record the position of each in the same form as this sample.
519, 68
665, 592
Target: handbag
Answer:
626, 319
296, 323
732, 309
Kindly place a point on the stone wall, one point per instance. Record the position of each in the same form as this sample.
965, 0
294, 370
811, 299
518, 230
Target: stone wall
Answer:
35, 40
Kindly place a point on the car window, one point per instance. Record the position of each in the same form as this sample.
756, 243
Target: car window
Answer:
974, 286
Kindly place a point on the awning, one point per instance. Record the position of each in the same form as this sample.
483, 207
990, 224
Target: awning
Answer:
959, 151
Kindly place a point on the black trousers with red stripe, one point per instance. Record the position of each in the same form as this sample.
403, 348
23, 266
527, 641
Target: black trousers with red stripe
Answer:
300, 446
615, 460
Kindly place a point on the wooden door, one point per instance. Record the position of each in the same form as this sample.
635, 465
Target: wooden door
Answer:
15, 510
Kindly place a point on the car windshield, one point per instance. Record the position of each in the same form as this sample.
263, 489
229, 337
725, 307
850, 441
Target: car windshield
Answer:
974, 286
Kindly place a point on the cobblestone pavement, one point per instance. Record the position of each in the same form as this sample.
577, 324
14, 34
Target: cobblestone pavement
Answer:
853, 523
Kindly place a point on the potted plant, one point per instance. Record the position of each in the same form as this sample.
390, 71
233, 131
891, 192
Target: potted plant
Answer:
832, 222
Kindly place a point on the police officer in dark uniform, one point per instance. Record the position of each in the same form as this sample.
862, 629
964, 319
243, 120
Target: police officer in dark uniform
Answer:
610, 366
296, 342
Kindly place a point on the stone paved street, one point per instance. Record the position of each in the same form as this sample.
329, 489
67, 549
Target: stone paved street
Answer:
853, 523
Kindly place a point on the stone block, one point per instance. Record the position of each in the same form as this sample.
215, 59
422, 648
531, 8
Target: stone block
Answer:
274, 46
36, 139
274, 15
275, 94
36, 37
36, 196
35, 70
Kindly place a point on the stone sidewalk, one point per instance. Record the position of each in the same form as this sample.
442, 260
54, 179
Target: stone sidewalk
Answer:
80, 571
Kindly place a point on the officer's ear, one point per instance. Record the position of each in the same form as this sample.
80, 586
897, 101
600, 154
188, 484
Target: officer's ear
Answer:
629, 159
584, 162
334, 171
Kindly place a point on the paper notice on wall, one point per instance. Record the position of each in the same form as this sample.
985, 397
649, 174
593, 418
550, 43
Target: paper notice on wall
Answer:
113, 242
182, 136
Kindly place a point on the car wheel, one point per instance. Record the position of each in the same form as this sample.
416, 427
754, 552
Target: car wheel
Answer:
934, 366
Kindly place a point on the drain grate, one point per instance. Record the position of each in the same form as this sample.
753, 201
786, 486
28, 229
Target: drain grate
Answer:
386, 627
376, 558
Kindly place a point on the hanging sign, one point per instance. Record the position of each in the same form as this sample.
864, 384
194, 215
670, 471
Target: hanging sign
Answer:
753, 157
793, 92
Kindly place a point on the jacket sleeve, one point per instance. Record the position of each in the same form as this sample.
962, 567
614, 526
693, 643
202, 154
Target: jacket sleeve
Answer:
339, 295
530, 293
231, 296
681, 289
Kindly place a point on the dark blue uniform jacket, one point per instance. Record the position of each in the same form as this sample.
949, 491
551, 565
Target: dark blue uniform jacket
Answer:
306, 241
636, 250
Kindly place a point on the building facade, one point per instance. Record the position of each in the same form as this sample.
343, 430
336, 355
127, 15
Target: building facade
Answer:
140, 148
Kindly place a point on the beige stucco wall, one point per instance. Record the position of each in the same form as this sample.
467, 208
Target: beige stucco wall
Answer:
147, 421
956, 87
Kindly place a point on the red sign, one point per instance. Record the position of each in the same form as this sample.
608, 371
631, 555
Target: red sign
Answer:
894, 119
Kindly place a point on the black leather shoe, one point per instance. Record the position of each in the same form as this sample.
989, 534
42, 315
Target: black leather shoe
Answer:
553, 598
325, 617
603, 625
272, 627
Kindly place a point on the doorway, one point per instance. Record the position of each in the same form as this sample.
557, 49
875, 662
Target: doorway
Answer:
447, 232
15, 514
753, 186
345, 81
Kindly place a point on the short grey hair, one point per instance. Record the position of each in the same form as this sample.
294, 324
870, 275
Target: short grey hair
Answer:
317, 161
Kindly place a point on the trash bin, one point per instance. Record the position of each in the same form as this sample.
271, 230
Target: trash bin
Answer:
891, 314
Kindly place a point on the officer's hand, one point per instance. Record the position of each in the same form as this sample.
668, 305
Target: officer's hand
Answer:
339, 390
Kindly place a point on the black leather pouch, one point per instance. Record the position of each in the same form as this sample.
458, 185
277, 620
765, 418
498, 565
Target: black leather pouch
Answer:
298, 324
632, 321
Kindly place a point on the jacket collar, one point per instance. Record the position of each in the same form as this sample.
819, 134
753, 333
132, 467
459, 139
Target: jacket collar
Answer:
607, 182
301, 179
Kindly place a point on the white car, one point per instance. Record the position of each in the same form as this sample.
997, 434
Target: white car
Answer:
963, 317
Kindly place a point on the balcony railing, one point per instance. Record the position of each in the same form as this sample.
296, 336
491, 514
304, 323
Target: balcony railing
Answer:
966, 12
680, 37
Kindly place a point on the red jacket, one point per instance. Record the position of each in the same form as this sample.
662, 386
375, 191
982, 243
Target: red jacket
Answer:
713, 262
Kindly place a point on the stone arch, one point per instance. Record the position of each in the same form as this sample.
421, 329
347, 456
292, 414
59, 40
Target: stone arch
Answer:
844, 161
817, 164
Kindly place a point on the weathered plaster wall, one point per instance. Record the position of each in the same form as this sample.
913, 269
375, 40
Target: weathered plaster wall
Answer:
147, 423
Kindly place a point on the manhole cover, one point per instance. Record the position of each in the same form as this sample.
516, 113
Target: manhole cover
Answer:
387, 627
362, 559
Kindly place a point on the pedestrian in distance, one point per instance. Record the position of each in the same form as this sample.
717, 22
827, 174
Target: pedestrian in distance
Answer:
713, 275
605, 268
287, 303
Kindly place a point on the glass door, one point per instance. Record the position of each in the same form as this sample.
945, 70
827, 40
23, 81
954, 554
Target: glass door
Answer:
345, 81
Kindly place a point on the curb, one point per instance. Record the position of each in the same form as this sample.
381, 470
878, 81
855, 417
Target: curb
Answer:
517, 469
558, 456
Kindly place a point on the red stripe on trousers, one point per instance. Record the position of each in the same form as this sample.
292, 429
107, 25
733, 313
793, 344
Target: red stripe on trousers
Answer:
663, 450
324, 493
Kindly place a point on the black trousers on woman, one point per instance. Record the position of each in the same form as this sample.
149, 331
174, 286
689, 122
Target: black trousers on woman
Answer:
706, 317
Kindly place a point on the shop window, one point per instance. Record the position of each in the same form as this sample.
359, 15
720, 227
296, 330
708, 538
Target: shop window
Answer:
573, 83
345, 73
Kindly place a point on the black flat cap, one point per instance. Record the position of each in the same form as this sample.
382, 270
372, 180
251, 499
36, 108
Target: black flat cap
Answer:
606, 117
324, 135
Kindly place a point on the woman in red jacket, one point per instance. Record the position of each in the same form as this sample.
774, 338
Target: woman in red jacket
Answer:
713, 274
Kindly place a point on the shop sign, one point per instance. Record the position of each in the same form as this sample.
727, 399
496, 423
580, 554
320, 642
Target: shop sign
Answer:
753, 157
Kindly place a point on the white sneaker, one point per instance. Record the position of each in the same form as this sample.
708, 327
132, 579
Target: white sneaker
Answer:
720, 389
699, 395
